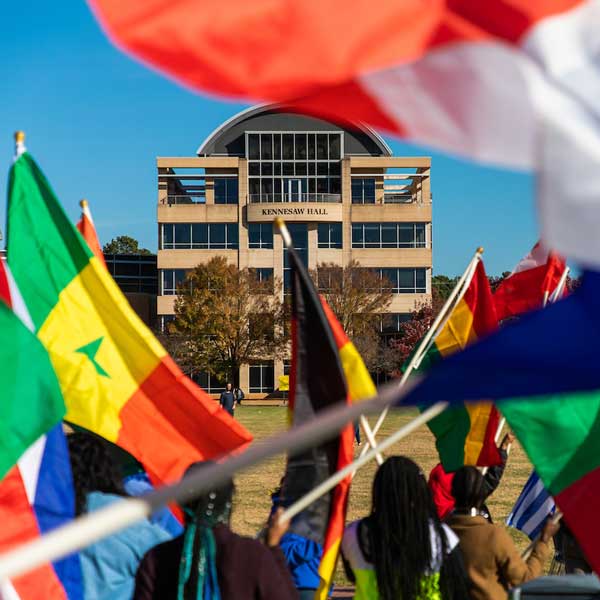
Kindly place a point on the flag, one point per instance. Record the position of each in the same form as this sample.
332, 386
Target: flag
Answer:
116, 379
532, 507
36, 495
512, 83
31, 398
465, 435
544, 372
530, 284
88, 231
326, 369
562, 439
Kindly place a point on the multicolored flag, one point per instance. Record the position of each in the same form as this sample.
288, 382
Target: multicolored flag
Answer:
513, 83
545, 370
36, 495
531, 283
115, 377
32, 401
326, 369
465, 435
88, 231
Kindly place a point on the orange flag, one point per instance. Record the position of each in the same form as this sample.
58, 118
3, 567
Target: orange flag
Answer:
88, 231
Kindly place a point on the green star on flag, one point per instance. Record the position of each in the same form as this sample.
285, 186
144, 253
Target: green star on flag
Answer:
90, 350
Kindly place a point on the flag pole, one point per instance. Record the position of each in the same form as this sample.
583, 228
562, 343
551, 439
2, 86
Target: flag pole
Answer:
527, 552
454, 298
562, 282
89, 528
287, 240
338, 476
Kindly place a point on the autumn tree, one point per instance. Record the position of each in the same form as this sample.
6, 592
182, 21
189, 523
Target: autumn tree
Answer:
358, 297
123, 244
225, 317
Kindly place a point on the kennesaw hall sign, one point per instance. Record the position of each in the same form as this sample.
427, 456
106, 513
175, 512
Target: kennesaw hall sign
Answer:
307, 211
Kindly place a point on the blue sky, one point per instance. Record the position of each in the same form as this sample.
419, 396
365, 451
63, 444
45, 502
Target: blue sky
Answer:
96, 120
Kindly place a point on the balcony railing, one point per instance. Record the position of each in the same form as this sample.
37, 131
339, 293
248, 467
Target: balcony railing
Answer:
187, 199
304, 197
395, 198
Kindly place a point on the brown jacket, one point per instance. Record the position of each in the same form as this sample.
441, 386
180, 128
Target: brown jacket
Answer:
491, 559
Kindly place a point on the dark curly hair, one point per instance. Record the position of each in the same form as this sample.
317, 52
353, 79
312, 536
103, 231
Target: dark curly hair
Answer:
93, 468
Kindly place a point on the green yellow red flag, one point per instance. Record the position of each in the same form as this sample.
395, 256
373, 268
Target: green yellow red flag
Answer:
116, 378
465, 435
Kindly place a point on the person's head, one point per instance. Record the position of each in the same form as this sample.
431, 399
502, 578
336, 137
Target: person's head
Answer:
211, 507
228, 386
93, 468
468, 488
400, 524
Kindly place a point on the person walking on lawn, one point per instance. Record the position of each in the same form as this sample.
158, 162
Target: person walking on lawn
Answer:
227, 399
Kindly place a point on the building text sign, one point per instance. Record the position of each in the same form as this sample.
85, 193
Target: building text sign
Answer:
295, 212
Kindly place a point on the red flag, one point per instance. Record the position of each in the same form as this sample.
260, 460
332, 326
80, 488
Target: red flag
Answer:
514, 83
88, 231
530, 284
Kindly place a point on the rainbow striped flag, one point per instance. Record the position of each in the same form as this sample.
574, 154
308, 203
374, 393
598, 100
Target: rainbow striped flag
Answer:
465, 434
115, 377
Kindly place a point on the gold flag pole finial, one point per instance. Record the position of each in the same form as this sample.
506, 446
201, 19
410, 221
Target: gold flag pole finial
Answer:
480, 250
19, 143
83, 203
285, 232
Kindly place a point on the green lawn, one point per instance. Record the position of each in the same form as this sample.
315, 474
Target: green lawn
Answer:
253, 501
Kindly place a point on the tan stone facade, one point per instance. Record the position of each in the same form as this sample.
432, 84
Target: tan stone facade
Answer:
370, 220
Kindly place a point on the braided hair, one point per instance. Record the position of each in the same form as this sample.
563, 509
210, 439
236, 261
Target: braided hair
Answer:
399, 527
92, 467
197, 568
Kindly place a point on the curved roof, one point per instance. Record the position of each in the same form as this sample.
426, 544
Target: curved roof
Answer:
225, 139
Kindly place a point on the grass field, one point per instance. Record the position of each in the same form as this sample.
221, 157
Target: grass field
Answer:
254, 487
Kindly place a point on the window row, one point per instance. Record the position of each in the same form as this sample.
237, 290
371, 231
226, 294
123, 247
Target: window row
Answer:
294, 146
217, 236
403, 280
388, 235
291, 190
294, 168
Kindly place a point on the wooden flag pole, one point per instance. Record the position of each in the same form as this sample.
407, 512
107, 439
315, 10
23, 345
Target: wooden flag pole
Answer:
455, 297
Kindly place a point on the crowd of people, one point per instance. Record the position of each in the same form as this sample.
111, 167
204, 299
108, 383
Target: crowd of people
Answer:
422, 540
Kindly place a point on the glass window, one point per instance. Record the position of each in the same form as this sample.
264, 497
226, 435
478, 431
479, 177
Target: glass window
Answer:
300, 146
420, 281
167, 236
226, 190
372, 235
330, 235
277, 146
420, 239
260, 235
264, 280
253, 146
216, 235
254, 168
232, 236
406, 279
266, 146
363, 190
209, 383
311, 146
322, 146
170, 279
334, 147
288, 146
357, 235
406, 235
389, 235
199, 235
261, 377
183, 232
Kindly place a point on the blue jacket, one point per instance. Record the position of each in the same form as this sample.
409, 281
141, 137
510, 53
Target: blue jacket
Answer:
303, 557
109, 566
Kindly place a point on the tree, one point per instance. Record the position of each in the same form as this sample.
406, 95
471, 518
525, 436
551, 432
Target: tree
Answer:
358, 297
225, 317
123, 244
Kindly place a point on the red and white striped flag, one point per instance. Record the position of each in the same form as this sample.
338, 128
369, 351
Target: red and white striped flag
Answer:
531, 283
513, 83
88, 231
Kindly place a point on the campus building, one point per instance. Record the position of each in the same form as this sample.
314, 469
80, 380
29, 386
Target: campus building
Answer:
342, 193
